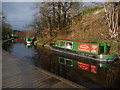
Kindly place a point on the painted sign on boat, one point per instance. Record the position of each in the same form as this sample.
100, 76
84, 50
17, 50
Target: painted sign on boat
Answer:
93, 69
84, 47
84, 66
88, 48
87, 67
94, 49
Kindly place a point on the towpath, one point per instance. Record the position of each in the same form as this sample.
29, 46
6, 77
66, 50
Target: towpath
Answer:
18, 74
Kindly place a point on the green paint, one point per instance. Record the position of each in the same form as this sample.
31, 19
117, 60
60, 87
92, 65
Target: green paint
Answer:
103, 48
74, 63
28, 39
75, 46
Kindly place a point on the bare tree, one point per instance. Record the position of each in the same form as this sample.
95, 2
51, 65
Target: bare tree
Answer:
59, 15
54, 16
6, 28
45, 10
65, 7
111, 10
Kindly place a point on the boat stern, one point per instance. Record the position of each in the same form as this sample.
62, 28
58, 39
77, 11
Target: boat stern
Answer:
108, 56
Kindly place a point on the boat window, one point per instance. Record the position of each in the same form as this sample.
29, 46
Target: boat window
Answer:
69, 45
62, 60
62, 43
66, 61
69, 62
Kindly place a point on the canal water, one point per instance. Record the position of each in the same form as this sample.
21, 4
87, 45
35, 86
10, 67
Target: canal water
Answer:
86, 72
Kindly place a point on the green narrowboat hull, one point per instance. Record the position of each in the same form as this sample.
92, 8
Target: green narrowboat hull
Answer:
93, 51
95, 57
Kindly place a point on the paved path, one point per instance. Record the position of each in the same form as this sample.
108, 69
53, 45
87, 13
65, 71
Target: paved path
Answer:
18, 74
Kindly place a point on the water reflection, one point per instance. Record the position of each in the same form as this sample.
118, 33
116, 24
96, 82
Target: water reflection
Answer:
29, 45
21, 50
42, 58
7, 46
86, 72
19, 40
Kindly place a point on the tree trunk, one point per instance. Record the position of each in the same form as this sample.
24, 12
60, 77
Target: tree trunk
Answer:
54, 24
64, 13
59, 15
50, 26
112, 19
65, 7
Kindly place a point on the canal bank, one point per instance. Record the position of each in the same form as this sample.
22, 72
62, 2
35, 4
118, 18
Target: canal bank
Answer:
3, 41
18, 74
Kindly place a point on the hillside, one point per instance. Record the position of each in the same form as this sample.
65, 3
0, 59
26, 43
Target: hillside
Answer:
89, 25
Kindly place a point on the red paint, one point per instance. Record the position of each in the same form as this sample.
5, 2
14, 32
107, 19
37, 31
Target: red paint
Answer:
94, 49
93, 69
84, 66
87, 67
84, 47
28, 43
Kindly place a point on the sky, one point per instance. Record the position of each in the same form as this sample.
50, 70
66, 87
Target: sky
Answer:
19, 14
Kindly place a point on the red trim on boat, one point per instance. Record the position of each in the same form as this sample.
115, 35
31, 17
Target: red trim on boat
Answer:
72, 40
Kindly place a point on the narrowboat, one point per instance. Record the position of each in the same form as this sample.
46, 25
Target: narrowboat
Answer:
91, 50
28, 45
81, 63
29, 40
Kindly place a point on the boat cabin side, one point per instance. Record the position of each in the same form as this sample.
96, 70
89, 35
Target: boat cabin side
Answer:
93, 48
28, 39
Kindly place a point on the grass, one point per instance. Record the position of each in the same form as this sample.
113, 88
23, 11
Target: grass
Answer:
86, 12
88, 26
90, 11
